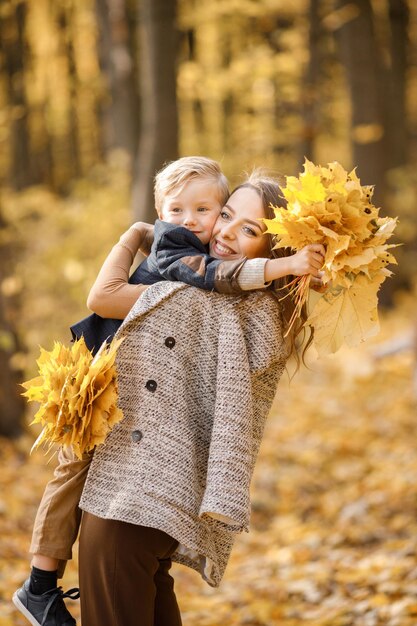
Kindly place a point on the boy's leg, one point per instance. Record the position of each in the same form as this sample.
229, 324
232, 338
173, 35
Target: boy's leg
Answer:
55, 531
47, 609
58, 518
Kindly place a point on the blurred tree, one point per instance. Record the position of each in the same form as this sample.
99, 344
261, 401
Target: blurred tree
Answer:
13, 50
68, 157
310, 88
376, 71
39, 147
396, 84
11, 402
120, 110
359, 54
158, 134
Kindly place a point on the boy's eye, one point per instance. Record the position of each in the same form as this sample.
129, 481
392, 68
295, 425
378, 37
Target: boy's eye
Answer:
175, 209
201, 209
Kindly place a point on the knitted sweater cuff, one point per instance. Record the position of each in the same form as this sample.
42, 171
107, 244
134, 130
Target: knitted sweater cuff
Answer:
252, 275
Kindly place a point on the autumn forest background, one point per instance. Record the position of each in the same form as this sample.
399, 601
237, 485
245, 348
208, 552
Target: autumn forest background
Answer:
95, 96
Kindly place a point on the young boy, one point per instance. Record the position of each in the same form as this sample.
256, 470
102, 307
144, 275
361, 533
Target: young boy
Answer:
189, 194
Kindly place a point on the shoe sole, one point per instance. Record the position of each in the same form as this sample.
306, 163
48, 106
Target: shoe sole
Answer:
21, 607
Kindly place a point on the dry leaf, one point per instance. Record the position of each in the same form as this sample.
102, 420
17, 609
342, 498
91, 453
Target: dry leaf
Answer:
328, 205
77, 395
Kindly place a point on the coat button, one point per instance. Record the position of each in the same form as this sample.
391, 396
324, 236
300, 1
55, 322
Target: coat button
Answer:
136, 436
151, 385
170, 342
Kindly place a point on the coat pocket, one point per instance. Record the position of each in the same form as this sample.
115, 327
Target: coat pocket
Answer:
177, 470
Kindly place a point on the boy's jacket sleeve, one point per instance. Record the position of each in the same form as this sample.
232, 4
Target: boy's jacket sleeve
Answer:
95, 330
180, 256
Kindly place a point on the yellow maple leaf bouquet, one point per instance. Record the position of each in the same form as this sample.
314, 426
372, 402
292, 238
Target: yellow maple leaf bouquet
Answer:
328, 205
77, 394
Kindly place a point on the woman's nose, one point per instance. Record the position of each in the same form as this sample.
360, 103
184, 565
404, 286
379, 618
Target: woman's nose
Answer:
227, 231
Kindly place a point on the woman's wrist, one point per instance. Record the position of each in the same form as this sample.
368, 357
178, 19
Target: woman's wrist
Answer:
131, 240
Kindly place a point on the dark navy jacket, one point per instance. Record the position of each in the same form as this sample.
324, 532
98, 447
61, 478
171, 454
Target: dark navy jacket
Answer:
176, 254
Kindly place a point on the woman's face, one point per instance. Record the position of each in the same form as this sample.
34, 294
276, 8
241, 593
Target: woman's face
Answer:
237, 232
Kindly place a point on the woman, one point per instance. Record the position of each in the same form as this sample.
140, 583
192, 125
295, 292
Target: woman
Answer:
197, 375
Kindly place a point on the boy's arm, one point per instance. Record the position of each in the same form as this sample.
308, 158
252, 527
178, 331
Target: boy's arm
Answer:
308, 260
181, 256
111, 294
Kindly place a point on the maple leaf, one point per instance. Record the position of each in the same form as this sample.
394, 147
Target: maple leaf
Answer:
328, 205
77, 395
345, 315
307, 189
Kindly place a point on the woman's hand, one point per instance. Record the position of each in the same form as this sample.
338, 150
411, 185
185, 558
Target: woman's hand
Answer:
146, 236
308, 260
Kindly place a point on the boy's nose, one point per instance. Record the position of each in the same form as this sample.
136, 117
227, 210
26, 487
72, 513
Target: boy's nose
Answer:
189, 219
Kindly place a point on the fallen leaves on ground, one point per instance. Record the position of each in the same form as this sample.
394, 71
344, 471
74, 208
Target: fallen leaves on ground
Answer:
334, 524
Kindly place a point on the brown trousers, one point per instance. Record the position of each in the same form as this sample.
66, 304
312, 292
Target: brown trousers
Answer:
58, 518
124, 575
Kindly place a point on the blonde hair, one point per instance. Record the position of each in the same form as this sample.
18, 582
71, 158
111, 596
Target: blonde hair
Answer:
269, 190
177, 174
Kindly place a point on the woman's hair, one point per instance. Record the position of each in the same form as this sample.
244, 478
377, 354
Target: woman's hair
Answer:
270, 191
175, 175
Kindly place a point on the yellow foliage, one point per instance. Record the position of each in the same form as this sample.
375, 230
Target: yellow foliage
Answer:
342, 315
328, 205
77, 395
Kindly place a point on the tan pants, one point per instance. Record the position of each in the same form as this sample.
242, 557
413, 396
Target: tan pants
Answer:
124, 574
58, 518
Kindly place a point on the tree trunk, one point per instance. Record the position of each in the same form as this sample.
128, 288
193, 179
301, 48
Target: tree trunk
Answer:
158, 139
12, 47
360, 57
66, 21
120, 113
11, 402
395, 103
310, 88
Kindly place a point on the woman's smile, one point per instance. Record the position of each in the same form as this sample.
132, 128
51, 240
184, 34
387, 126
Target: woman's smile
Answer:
221, 248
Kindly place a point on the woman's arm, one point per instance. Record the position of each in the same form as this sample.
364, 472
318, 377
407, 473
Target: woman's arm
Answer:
111, 294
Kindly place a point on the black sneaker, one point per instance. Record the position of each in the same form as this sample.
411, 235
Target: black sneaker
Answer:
47, 609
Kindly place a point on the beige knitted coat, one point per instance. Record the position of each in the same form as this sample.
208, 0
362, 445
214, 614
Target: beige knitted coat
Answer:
197, 374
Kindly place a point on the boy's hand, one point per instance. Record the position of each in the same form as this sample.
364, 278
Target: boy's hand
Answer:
317, 283
308, 260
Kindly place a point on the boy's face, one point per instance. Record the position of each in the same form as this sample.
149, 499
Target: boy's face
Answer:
196, 207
